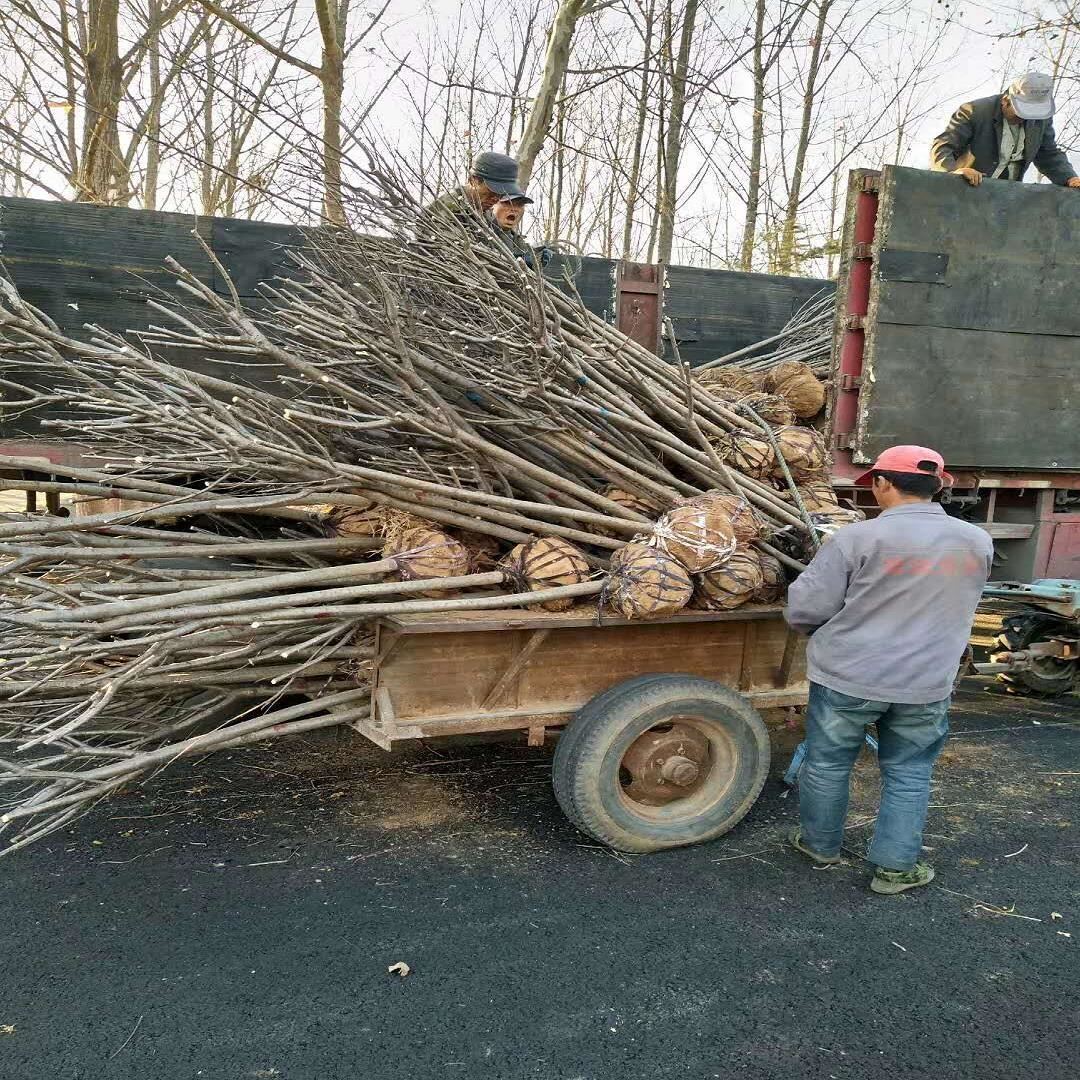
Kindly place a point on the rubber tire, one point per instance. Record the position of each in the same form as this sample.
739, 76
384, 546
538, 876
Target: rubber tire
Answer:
1020, 631
585, 771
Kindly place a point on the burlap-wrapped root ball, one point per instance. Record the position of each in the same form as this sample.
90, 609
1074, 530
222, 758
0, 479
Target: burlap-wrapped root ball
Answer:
774, 580
485, 552
725, 378
746, 523
751, 455
772, 408
646, 583
426, 553
733, 584
354, 520
547, 563
818, 494
797, 384
828, 521
728, 396
633, 501
639, 504
804, 451
699, 536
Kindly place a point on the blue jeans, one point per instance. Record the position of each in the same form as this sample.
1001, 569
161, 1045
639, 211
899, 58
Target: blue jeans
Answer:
910, 737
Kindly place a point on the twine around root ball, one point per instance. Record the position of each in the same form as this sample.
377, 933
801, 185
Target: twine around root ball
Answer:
647, 583
698, 536
424, 554
804, 451
746, 523
733, 584
829, 521
725, 378
355, 521
797, 384
751, 455
772, 408
545, 564
773, 580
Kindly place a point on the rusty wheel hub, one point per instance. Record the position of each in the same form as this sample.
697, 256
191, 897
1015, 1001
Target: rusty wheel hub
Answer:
665, 764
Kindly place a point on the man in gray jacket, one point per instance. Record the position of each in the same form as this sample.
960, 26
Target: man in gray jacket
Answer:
888, 605
1001, 136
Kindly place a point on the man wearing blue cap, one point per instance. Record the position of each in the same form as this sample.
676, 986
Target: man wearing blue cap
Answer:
1000, 136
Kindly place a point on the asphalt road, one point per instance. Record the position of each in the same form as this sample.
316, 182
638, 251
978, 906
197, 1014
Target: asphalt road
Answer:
236, 919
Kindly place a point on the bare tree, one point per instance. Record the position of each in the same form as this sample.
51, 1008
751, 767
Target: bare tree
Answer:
333, 19
787, 239
673, 140
556, 61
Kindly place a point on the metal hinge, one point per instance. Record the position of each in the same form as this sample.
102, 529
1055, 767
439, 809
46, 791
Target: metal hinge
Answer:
863, 251
871, 183
854, 322
850, 382
841, 440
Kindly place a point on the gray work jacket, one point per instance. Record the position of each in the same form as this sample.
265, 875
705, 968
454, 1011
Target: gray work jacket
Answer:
973, 141
889, 604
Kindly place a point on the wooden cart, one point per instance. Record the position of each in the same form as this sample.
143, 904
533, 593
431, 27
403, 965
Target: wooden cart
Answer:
663, 744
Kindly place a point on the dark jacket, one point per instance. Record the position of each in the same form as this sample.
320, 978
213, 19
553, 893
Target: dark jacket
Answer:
973, 141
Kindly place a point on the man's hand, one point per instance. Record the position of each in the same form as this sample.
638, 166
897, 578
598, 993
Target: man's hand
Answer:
1073, 182
973, 176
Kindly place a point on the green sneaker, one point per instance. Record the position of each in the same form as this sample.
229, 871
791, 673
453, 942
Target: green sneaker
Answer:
895, 881
795, 840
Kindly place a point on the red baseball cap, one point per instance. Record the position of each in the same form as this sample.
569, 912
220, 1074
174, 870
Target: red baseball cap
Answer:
920, 460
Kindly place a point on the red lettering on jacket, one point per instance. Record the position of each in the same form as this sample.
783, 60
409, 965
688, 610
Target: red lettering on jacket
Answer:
947, 565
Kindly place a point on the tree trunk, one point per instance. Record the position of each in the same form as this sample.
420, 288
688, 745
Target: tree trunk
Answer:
103, 178
68, 51
560, 174
632, 193
153, 124
333, 19
556, 61
206, 166
787, 260
673, 146
753, 189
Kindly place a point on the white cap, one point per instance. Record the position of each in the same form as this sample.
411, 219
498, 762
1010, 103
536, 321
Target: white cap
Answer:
1032, 96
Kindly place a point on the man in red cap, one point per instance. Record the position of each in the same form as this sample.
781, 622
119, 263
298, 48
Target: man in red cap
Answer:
888, 604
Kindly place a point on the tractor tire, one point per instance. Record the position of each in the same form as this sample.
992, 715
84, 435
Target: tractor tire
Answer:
1049, 677
661, 761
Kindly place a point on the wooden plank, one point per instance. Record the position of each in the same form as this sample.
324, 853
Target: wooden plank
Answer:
787, 659
746, 668
508, 720
532, 643
442, 675
584, 616
1013, 253
983, 400
977, 356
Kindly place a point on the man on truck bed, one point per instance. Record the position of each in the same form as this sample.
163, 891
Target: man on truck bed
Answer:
1001, 136
492, 177
889, 605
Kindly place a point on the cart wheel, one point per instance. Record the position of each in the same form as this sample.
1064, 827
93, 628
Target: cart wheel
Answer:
661, 761
1047, 676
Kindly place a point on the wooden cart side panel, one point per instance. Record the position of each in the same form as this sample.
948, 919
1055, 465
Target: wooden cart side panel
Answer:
430, 677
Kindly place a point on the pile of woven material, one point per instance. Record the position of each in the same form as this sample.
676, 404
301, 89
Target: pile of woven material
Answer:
448, 431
